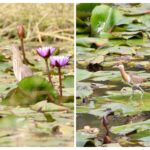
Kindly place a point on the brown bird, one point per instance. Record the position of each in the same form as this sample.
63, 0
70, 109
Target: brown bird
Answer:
20, 70
133, 80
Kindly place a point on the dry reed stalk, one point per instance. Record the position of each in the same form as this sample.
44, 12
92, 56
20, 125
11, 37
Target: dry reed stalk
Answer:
20, 69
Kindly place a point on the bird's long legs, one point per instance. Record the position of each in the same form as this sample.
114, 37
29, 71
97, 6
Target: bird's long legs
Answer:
141, 89
142, 93
123, 90
131, 97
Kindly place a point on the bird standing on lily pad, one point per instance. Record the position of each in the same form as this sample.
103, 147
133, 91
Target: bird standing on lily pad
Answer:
133, 80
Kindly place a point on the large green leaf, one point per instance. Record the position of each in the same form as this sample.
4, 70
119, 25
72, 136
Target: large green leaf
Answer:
104, 18
31, 90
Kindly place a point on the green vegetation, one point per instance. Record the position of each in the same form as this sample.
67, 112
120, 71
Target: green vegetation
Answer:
108, 34
30, 114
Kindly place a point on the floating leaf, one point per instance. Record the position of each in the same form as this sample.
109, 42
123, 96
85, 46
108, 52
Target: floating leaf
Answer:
125, 129
44, 106
31, 90
83, 138
11, 121
84, 90
83, 74
68, 81
89, 41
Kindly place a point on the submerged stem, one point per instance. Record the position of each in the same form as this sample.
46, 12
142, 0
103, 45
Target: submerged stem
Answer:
48, 71
60, 83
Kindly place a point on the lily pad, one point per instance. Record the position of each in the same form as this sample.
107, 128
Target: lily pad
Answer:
44, 106
68, 81
12, 121
125, 129
83, 74
104, 18
84, 90
31, 90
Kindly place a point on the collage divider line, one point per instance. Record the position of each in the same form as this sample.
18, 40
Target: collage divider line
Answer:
74, 74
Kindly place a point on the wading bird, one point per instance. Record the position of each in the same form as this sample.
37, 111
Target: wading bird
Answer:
20, 70
133, 80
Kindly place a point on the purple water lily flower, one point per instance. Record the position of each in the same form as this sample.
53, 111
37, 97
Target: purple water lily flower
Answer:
45, 52
59, 61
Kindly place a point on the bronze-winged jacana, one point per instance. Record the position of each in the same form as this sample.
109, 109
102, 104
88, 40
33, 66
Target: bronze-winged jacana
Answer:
133, 80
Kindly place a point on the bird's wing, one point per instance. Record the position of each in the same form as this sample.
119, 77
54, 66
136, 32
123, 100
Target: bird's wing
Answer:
25, 71
136, 79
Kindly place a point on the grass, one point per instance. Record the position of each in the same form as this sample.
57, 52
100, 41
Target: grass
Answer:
43, 22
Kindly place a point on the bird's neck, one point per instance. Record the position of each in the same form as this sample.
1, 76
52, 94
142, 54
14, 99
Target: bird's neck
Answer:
124, 75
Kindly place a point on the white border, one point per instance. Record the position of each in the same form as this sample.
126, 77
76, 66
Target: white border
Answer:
74, 75
74, 1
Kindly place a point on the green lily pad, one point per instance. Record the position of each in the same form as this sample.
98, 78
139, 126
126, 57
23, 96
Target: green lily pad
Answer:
68, 81
88, 41
104, 18
44, 106
125, 129
83, 138
84, 90
83, 74
29, 91
12, 121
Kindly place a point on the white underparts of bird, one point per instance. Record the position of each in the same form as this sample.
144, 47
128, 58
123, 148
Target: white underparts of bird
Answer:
20, 70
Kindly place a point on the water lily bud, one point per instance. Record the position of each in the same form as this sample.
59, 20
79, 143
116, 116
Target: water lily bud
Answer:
21, 31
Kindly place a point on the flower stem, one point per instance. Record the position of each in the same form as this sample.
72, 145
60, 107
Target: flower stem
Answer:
60, 83
48, 71
25, 60
22, 48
